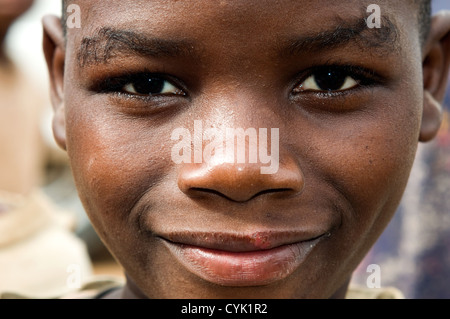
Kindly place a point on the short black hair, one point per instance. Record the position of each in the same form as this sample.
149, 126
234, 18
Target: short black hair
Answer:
423, 8
424, 17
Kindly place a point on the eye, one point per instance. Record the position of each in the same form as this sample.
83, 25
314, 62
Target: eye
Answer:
328, 80
150, 85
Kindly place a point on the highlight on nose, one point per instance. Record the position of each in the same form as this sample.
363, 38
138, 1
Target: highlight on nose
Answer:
233, 162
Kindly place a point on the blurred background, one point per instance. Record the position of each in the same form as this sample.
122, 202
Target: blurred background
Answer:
24, 46
413, 252
47, 244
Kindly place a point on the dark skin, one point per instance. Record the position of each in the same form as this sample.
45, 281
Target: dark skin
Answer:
345, 150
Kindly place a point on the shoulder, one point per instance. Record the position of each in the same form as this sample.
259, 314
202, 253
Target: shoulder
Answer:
96, 288
360, 292
92, 289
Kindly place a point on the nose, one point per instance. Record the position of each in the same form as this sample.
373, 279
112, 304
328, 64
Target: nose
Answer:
239, 182
237, 154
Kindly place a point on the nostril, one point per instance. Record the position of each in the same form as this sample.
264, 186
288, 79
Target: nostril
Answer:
239, 183
205, 191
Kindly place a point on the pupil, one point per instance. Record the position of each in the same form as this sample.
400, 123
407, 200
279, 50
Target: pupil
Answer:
330, 80
149, 85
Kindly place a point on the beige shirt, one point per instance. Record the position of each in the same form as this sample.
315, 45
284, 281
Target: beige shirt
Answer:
39, 253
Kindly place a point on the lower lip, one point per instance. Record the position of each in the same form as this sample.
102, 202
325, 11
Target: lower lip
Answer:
252, 268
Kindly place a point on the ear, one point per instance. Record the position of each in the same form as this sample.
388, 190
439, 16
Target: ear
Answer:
54, 52
436, 64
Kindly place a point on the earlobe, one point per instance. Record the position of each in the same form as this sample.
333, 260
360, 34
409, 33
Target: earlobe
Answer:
436, 64
54, 52
431, 118
59, 128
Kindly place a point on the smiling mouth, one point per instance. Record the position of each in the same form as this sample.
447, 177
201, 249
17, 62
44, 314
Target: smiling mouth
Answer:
250, 260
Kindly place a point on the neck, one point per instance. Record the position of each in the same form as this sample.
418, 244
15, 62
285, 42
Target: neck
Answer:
342, 291
131, 290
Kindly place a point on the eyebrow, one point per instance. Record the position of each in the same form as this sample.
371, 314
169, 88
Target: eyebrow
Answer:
108, 42
356, 30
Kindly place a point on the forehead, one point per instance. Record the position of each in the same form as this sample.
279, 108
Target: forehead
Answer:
232, 16
262, 26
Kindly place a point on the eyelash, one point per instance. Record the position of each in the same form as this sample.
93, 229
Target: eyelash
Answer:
362, 76
118, 84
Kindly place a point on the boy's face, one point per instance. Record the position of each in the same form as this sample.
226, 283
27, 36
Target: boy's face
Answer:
346, 102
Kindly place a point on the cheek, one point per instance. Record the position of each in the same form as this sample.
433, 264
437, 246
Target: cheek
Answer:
373, 169
370, 164
114, 164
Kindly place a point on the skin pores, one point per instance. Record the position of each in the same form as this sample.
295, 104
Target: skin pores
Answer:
348, 114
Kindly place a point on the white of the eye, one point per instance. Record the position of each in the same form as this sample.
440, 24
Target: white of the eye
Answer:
311, 84
129, 88
168, 88
349, 83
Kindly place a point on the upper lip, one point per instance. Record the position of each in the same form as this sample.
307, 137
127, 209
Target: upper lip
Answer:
233, 242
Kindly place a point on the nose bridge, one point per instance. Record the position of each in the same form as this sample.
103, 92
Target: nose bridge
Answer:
240, 104
238, 154
241, 130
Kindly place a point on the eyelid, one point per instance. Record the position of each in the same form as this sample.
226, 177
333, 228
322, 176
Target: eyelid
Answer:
117, 83
349, 83
168, 86
362, 77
